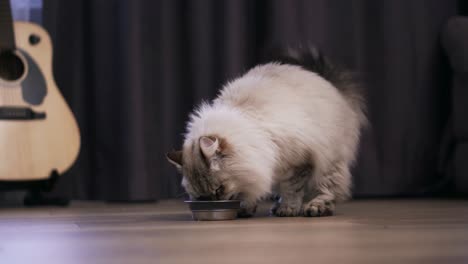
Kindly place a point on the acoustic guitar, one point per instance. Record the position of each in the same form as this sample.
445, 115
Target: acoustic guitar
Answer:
39, 135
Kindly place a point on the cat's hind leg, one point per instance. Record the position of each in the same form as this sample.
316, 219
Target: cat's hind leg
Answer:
330, 186
291, 191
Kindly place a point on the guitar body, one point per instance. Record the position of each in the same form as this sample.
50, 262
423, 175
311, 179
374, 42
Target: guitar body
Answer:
38, 132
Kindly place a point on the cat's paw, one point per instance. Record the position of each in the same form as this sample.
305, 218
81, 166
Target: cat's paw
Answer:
318, 207
280, 209
247, 211
274, 197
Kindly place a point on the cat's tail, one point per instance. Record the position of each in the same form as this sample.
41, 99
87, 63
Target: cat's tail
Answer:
310, 58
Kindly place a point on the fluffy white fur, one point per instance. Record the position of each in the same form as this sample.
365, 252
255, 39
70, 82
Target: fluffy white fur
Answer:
278, 119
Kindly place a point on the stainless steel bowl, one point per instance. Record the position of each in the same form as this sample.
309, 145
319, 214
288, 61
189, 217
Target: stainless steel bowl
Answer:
214, 210
214, 215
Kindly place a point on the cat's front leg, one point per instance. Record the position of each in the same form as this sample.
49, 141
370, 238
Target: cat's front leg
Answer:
248, 209
292, 192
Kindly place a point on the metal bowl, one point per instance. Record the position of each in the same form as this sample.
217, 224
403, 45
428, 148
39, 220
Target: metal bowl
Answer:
214, 210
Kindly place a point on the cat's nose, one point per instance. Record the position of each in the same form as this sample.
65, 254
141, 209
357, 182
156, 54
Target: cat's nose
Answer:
216, 195
204, 198
219, 192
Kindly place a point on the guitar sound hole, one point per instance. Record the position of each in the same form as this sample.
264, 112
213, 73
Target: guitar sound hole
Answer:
11, 66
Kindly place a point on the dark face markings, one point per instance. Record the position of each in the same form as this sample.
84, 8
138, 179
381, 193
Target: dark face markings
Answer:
197, 171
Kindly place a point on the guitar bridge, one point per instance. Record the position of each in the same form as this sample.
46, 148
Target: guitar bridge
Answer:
20, 113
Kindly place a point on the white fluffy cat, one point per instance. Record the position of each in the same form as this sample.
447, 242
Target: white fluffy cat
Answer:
290, 127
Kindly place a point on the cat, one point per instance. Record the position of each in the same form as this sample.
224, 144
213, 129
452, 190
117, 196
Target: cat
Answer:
289, 126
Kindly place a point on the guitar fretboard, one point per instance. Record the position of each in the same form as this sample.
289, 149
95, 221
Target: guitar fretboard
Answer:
7, 36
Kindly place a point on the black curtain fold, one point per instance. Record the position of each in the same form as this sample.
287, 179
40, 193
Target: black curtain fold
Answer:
133, 70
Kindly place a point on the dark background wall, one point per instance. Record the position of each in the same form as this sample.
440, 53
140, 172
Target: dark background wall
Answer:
132, 71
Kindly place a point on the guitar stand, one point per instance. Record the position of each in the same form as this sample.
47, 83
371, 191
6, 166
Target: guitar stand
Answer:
36, 190
35, 196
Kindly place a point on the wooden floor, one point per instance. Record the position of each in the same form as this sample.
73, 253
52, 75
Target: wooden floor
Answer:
366, 231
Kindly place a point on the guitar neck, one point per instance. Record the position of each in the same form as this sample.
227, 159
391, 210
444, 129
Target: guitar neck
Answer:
7, 36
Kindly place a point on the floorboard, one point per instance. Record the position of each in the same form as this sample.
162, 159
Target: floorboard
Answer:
362, 231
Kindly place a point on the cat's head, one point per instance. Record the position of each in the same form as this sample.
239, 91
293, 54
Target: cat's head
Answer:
212, 169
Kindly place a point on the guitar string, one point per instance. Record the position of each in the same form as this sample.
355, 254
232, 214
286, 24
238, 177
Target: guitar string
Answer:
10, 95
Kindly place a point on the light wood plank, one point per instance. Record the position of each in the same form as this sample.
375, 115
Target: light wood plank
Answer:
367, 231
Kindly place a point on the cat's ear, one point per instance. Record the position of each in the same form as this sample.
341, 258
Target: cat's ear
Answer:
175, 157
209, 146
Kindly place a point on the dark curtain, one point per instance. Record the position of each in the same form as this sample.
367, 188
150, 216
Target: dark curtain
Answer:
132, 71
